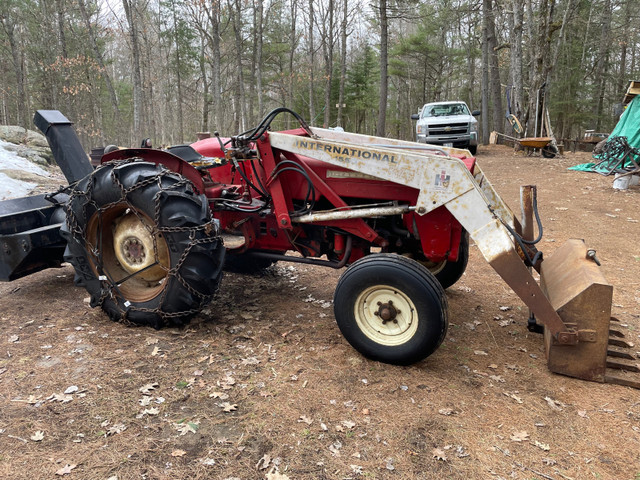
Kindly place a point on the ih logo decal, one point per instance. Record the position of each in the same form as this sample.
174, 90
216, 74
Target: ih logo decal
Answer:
442, 180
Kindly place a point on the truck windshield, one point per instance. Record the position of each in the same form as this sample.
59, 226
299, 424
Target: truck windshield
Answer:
445, 109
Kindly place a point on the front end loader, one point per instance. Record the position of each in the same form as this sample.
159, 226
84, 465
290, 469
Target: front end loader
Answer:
149, 232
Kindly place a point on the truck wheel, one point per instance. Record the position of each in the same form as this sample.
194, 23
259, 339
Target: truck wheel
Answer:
391, 309
448, 273
473, 149
143, 244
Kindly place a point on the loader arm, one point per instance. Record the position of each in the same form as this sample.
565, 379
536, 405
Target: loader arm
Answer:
441, 180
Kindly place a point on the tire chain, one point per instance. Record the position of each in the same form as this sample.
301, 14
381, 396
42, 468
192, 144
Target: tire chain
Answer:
108, 285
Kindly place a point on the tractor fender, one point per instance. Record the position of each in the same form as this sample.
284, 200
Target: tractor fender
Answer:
159, 157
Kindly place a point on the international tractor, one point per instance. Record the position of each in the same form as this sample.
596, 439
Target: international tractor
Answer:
149, 232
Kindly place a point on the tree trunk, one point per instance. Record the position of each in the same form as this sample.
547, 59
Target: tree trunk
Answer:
384, 76
178, 73
216, 76
494, 69
130, 9
328, 66
485, 75
515, 71
22, 109
103, 70
343, 62
239, 95
312, 105
205, 86
292, 50
602, 63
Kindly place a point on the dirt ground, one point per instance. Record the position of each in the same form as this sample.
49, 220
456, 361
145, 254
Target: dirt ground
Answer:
262, 384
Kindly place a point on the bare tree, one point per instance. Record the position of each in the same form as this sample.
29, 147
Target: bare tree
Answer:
384, 62
130, 9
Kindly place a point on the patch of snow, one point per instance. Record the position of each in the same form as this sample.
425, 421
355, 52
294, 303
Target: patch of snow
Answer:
12, 161
10, 187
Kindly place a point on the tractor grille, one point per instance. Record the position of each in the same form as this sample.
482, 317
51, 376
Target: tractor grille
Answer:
449, 129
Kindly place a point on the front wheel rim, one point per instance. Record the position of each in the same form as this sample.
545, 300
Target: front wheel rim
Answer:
386, 315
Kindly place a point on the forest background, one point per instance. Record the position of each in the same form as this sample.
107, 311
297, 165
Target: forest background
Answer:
123, 70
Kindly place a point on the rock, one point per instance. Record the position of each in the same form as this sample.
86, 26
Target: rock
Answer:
19, 135
12, 134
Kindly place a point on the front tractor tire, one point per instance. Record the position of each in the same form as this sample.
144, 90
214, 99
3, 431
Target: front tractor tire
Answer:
391, 309
143, 244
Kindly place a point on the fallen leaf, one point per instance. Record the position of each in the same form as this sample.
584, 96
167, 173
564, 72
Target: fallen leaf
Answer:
178, 453
115, 429
504, 308
305, 419
480, 352
446, 411
250, 361
184, 428
348, 424
151, 411
229, 407
583, 413
66, 469
14, 338
542, 446
60, 397
144, 401
156, 351
514, 396
151, 341
549, 461
38, 436
71, 389
357, 469
335, 447
264, 462
439, 454
554, 404
497, 378
146, 389
365, 411
519, 436
220, 395
274, 474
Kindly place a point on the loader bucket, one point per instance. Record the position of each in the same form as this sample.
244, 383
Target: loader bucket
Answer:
578, 291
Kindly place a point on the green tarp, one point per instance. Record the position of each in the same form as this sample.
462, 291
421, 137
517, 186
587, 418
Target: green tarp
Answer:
628, 126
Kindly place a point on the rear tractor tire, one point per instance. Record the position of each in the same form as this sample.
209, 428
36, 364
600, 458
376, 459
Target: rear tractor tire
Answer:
143, 244
448, 273
391, 309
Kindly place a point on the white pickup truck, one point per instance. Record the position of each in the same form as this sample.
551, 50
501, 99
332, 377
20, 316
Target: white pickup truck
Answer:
450, 124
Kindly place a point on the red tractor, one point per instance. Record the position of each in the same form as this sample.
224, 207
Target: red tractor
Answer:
149, 232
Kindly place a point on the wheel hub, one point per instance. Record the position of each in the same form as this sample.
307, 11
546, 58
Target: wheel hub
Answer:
387, 312
133, 250
386, 315
136, 249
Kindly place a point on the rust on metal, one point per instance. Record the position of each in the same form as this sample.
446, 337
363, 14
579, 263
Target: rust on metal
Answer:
582, 297
514, 272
